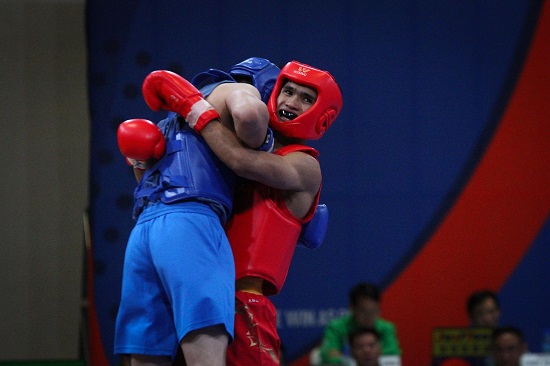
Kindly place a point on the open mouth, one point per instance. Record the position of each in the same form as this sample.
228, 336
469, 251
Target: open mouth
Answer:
287, 115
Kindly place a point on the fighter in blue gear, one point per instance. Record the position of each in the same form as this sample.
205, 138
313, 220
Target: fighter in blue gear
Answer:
178, 272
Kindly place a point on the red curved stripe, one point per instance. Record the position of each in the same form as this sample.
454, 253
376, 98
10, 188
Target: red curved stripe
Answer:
494, 221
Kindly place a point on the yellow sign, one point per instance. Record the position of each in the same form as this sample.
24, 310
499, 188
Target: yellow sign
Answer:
461, 342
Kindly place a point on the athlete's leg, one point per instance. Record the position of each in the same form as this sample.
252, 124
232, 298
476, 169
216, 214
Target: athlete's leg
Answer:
205, 346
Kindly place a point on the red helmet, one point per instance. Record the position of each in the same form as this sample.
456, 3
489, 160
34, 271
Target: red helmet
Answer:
315, 121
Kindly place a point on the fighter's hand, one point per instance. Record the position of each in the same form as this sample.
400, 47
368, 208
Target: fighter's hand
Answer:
141, 142
166, 90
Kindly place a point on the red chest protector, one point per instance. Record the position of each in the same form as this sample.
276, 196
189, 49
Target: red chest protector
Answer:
262, 231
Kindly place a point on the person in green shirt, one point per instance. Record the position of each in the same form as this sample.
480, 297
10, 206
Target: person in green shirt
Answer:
364, 305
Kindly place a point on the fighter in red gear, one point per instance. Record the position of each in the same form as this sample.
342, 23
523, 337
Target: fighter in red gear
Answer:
280, 195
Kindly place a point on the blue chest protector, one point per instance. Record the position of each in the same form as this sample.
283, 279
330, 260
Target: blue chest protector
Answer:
189, 170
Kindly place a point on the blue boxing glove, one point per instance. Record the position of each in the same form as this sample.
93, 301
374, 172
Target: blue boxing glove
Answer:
313, 232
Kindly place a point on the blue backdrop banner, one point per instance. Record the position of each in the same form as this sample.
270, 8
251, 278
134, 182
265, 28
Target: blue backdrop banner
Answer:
425, 84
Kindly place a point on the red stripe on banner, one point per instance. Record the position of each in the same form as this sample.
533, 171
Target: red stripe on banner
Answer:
494, 221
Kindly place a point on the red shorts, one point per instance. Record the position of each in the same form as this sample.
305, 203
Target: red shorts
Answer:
256, 341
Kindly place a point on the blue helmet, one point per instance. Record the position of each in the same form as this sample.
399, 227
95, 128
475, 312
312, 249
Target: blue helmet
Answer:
262, 72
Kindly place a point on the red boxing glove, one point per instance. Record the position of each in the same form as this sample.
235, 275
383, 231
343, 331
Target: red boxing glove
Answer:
140, 140
164, 89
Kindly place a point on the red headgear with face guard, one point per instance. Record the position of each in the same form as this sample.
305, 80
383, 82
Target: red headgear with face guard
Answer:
315, 121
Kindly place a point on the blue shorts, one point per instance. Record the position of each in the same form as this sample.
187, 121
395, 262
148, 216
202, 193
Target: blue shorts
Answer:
178, 276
